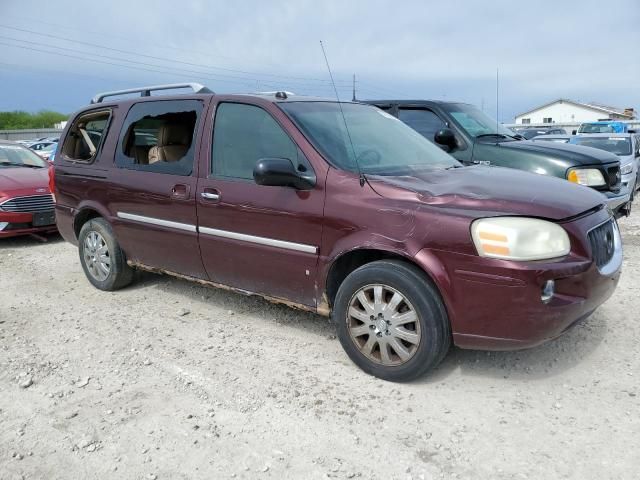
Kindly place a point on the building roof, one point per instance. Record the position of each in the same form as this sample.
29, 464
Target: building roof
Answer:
592, 106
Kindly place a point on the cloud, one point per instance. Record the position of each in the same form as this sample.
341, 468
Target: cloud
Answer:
583, 50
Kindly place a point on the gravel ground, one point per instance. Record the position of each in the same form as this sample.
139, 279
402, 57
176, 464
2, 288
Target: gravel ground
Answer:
170, 380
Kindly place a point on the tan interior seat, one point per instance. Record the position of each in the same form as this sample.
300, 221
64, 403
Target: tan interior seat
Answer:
174, 140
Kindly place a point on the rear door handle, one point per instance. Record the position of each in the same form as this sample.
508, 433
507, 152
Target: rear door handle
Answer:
180, 191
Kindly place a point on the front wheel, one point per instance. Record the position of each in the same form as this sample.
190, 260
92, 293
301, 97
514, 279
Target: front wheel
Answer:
103, 261
391, 321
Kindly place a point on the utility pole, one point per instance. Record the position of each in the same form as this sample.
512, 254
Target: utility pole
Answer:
497, 97
354, 88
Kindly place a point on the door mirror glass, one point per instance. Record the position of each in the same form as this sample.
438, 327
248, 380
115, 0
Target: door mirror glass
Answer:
573, 132
445, 137
280, 172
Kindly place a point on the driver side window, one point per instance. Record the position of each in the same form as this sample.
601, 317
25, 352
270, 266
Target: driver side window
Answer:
242, 135
425, 122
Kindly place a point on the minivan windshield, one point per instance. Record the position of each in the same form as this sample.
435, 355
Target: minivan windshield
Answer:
382, 144
475, 122
617, 145
18, 156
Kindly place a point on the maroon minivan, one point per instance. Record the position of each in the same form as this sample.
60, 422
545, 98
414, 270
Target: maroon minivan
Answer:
335, 208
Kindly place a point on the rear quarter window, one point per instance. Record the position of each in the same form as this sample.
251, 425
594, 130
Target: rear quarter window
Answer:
86, 136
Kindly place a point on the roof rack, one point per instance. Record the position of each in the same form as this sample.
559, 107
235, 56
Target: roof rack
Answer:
146, 91
282, 94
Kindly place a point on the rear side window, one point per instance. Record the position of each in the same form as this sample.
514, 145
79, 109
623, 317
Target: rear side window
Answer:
86, 136
425, 122
242, 135
159, 137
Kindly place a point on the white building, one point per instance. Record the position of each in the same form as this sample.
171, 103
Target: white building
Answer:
568, 111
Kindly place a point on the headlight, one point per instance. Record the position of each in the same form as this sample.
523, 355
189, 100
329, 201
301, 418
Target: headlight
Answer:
591, 177
626, 169
519, 238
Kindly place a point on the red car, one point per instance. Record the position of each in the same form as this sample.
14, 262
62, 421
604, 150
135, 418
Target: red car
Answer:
340, 209
26, 203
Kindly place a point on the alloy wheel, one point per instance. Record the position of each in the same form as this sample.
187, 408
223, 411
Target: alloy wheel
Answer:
96, 256
383, 325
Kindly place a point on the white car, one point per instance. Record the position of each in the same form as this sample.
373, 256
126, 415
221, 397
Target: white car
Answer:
625, 145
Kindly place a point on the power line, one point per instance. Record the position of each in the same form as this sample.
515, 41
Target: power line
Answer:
32, 20
248, 82
145, 64
95, 45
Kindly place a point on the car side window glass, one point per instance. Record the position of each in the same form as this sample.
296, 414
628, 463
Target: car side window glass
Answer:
244, 134
425, 122
159, 137
86, 136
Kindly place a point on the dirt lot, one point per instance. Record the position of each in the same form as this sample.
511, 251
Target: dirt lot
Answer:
171, 380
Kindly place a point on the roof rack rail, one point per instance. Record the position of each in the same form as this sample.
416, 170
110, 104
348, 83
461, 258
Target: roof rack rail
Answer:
146, 91
281, 94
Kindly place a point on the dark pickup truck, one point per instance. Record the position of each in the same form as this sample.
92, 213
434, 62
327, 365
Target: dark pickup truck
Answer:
472, 137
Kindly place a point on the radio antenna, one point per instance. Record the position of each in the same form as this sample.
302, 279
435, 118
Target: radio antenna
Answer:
344, 119
497, 97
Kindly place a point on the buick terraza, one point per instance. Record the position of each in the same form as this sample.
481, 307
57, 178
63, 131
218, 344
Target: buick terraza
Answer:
335, 208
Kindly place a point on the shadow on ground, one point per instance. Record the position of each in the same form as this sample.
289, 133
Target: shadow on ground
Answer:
541, 362
30, 241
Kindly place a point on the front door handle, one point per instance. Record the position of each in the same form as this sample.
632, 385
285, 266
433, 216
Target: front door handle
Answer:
211, 194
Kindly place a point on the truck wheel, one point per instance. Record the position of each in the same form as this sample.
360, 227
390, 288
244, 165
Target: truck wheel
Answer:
103, 261
391, 321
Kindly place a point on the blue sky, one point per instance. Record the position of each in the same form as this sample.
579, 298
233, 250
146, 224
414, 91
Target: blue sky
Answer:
57, 55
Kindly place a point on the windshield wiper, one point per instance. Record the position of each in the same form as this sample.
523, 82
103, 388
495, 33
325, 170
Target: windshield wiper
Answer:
453, 166
498, 135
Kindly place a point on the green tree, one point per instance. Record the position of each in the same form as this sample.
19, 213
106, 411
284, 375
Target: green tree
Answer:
18, 120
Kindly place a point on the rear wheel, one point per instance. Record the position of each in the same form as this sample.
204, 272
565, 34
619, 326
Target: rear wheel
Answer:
103, 261
391, 321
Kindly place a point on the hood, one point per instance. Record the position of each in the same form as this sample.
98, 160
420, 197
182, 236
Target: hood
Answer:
24, 180
575, 153
490, 191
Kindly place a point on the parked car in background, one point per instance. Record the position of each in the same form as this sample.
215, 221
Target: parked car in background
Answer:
603, 126
625, 145
50, 153
529, 133
37, 146
26, 204
472, 137
552, 138
336, 208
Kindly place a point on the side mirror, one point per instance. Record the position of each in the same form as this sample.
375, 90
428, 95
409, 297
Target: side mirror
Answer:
446, 137
573, 132
280, 172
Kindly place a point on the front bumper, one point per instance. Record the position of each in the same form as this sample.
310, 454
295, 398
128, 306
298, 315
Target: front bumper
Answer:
617, 201
497, 304
16, 224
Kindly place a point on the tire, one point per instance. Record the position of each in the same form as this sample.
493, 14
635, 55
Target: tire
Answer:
412, 348
103, 261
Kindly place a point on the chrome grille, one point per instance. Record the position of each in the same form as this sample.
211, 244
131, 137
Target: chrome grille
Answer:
30, 204
613, 176
602, 243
